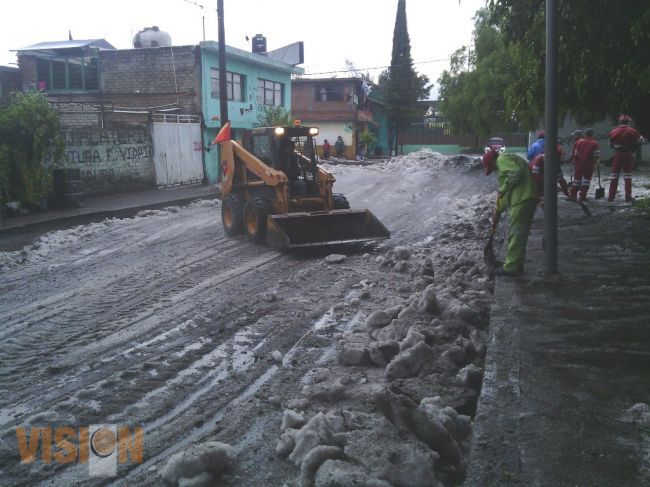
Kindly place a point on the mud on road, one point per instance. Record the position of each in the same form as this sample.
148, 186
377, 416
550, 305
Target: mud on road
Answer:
247, 366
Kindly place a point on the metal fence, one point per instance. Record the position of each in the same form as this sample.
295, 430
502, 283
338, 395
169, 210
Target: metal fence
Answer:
439, 133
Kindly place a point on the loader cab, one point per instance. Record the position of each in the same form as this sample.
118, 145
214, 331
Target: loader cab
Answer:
290, 150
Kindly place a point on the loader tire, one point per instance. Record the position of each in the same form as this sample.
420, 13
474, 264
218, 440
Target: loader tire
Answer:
256, 212
340, 202
232, 214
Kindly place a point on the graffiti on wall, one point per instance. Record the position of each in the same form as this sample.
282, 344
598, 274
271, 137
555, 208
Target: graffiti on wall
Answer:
118, 157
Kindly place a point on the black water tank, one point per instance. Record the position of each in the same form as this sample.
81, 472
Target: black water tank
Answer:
259, 44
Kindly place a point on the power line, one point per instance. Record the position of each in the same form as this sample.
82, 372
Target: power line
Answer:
376, 67
200, 5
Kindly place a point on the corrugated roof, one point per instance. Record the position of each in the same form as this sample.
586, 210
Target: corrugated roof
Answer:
73, 44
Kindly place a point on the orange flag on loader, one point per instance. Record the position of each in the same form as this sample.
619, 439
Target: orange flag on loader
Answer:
224, 134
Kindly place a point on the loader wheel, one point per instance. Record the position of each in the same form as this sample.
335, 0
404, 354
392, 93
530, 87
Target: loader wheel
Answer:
340, 202
256, 211
232, 208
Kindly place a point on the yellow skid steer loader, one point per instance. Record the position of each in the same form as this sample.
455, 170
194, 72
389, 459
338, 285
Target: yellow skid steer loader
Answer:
274, 192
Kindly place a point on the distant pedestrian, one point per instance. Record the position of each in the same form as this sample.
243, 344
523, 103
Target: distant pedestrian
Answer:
326, 150
624, 140
339, 145
517, 194
537, 147
586, 154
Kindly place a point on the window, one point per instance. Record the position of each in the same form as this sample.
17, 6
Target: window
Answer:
234, 85
76, 73
269, 93
329, 92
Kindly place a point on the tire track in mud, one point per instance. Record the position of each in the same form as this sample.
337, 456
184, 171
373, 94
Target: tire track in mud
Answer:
200, 392
96, 350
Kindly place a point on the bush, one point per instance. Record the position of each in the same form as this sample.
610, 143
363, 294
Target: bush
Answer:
29, 128
271, 116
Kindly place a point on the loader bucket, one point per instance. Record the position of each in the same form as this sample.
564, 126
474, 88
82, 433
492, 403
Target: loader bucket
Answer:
320, 228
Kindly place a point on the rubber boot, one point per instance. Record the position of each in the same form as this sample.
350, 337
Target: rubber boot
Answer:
628, 189
573, 191
583, 193
613, 186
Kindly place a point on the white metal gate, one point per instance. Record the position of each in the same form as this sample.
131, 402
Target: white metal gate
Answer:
177, 150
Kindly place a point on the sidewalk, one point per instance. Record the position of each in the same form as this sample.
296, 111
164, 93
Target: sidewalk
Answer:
13, 231
569, 358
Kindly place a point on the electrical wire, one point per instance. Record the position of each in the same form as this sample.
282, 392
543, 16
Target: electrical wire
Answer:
375, 67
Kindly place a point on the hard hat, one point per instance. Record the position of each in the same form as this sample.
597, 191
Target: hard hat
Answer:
495, 144
624, 119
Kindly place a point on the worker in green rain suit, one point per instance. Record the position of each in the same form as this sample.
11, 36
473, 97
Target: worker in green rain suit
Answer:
517, 194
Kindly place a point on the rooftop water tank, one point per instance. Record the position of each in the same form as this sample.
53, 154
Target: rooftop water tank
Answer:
259, 44
152, 37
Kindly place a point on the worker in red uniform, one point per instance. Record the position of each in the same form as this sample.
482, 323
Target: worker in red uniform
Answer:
624, 140
576, 136
586, 153
537, 167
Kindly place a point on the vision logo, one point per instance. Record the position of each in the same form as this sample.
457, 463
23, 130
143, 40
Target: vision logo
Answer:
101, 446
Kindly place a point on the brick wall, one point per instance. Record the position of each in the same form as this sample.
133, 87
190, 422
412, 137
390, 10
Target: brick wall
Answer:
110, 160
28, 70
152, 77
305, 105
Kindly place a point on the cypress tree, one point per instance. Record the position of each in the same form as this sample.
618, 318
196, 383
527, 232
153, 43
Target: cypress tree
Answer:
404, 86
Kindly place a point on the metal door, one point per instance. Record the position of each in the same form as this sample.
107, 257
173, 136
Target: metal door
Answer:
177, 153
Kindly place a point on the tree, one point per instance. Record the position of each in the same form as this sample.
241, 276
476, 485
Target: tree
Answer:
472, 90
366, 140
603, 62
603, 68
29, 128
272, 116
401, 85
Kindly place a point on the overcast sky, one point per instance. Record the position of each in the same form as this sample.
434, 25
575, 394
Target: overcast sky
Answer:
332, 30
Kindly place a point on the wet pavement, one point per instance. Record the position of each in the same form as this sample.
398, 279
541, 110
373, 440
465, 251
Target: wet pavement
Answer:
569, 358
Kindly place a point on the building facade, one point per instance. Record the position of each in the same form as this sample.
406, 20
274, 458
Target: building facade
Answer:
253, 81
338, 107
143, 117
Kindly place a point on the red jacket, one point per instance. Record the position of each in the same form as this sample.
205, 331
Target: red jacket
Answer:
586, 150
624, 138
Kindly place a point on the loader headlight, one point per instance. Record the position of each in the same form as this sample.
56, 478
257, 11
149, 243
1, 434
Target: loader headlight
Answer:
279, 130
313, 131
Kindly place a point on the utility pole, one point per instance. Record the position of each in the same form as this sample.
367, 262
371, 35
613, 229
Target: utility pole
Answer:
223, 94
551, 161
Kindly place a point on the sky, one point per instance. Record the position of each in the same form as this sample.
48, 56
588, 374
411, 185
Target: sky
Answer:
333, 31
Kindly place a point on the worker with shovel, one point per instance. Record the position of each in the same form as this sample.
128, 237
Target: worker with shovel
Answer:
517, 194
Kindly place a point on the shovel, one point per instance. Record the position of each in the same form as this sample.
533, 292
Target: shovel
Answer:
488, 252
600, 191
584, 207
